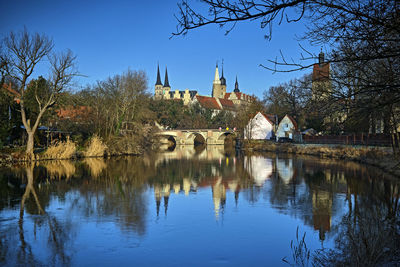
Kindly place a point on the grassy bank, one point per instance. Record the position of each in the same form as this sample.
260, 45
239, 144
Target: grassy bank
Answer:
381, 157
95, 147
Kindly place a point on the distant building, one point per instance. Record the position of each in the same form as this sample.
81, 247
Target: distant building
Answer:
219, 100
287, 127
207, 102
261, 126
11, 92
321, 82
163, 91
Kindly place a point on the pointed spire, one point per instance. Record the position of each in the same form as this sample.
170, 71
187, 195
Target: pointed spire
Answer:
236, 197
216, 77
166, 82
236, 86
223, 80
158, 82
166, 198
321, 57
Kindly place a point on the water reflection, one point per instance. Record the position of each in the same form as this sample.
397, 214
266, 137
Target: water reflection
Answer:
346, 206
16, 244
58, 169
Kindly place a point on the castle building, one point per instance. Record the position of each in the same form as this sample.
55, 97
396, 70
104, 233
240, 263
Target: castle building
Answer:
219, 100
163, 91
321, 83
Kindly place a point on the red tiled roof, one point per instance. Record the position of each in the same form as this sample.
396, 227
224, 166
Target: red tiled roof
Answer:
12, 92
269, 117
293, 121
208, 102
320, 72
238, 94
227, 104
71, 112
227, 95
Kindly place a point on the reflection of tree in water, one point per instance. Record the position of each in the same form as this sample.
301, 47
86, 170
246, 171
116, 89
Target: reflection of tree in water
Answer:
16, 247
118, 192
368, 233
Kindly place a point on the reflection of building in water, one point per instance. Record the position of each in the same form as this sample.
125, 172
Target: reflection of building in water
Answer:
157, 195
186, 186
322, 212
285, 169
189, 152
218, 187
219, 196
259, 168
177, 188
166, 192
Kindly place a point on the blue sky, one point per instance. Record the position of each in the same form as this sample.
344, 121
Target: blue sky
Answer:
109, 37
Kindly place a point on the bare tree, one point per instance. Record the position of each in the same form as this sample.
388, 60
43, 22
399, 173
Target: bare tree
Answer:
289, 98
24, 52
330, 22
363, 37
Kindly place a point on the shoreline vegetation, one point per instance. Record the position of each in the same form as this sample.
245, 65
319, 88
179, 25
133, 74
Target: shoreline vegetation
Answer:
380, 157
68, 150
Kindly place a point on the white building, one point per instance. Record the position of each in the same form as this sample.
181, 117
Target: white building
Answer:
286, 128
261, 126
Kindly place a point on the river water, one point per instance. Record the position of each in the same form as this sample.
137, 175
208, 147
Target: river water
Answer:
196, 207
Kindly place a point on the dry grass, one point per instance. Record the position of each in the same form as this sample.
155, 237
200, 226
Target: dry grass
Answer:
96, 148
61, 150
60, 168
96, 166
340, 152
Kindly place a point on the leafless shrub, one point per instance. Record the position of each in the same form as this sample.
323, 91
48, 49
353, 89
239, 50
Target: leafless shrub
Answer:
96, 148
61, 150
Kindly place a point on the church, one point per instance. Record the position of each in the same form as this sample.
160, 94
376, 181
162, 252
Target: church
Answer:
219, 96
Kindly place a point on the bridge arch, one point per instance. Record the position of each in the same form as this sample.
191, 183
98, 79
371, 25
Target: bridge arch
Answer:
168, 139
196, 138
226, 136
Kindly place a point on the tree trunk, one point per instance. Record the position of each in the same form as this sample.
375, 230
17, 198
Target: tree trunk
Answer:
30, 145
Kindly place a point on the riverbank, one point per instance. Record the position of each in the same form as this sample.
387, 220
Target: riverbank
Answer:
69, 150
381, 157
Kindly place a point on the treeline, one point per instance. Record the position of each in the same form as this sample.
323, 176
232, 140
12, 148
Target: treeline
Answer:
119, 110
362, 43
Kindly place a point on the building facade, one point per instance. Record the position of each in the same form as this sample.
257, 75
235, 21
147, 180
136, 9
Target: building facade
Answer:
261, 126
219, 96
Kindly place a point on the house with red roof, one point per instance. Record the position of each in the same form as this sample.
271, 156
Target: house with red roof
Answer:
214, 103
227, 104
11, 92
77, 114
287, 127
260, 127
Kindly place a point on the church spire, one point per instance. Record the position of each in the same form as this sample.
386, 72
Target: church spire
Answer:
166, 82
223, 80
236, 86
216, 77
158, 82
321, 57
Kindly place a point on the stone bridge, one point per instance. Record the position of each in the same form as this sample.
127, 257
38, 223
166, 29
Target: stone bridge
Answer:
188, 136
